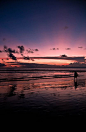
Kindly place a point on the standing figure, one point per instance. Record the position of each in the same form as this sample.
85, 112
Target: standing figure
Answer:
75, 76
75, 79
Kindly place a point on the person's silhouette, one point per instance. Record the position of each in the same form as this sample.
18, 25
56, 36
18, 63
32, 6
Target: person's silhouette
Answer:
75, 79
75, 76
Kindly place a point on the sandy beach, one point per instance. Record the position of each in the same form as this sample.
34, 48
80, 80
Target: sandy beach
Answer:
49, 94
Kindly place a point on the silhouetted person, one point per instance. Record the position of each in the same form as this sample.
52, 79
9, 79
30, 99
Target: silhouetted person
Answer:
75, 75
75, 79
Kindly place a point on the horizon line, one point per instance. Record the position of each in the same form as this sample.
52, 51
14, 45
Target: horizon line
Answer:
51, 57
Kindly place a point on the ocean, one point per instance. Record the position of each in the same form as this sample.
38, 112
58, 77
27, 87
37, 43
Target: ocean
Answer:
43, 92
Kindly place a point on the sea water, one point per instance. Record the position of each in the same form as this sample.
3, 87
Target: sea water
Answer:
43, 92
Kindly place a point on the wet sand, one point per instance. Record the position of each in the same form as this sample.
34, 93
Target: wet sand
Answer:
43, 94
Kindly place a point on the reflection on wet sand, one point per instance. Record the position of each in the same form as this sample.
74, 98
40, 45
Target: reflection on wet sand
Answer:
49, 95
11, 90
24, 87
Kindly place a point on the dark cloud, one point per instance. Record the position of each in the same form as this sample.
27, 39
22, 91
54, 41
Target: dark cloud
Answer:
64, 55
21, 48
66, 27
0, 51
36, 50
12, 56
30, 51
54, 49
80, 47
25, 57
11, 51
5, 48
3, 60
68, 48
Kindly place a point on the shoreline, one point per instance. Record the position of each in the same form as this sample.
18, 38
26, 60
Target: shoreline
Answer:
32, 69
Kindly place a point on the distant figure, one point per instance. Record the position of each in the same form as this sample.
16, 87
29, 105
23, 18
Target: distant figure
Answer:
75, 79
75, 76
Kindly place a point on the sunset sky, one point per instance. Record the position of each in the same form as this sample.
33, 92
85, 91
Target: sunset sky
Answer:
45, 28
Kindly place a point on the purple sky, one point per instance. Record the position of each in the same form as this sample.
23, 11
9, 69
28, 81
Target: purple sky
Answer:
53, 27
